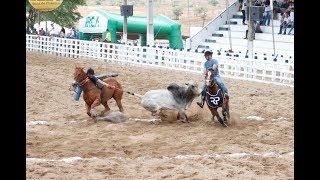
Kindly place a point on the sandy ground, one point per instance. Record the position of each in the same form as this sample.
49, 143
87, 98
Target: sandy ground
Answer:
64, 143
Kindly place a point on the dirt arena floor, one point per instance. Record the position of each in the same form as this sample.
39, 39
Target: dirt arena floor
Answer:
64, 143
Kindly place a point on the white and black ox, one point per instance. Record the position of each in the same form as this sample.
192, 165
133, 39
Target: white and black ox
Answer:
175, 97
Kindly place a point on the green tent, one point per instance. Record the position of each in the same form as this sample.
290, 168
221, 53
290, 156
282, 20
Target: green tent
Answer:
98, 21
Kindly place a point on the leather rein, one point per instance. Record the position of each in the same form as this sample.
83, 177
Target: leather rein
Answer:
84, 82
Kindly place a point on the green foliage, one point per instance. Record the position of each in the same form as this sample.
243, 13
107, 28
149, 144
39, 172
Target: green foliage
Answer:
177, 11
65, 15
202, 12
213, 2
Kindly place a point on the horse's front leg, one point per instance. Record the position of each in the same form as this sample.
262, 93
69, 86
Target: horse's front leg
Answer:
88, 109
221, 121
92, 109
225, 111
214, 113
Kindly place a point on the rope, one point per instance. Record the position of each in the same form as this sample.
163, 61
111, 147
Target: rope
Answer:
128, 92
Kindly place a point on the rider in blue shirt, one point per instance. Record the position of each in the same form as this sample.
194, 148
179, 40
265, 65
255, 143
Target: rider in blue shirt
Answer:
211, 63
97, 81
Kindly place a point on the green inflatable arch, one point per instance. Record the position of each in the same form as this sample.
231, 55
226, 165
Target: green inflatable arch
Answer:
98, 21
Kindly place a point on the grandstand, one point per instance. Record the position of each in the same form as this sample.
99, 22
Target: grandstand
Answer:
226, 32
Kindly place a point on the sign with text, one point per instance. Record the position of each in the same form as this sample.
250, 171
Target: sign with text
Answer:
45, 5
93, 23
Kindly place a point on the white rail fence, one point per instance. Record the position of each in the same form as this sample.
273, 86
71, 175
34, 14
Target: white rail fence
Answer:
279, 71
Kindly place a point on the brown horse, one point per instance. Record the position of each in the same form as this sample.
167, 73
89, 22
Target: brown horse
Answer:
215, 98
94, 96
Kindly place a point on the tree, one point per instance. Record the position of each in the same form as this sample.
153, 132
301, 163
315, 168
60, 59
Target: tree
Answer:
177, 11
65, 15
213, 2
203, 17
202, 12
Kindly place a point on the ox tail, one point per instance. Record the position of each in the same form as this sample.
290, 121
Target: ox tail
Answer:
134, 94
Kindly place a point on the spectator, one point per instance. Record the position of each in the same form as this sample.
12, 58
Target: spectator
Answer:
284, 23
240, 6
291, 6
108, 36
243, 10
42, 32
267, 11
70, 34
284, 6
257, 29
291, 23
34, 31
62, 32
52, 30
73, 33
28, 31
276, 9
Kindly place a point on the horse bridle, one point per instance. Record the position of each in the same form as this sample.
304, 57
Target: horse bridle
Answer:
83, 82
76, 83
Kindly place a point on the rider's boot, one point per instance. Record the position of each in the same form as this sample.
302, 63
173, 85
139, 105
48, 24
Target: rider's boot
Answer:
201, 103
226, 95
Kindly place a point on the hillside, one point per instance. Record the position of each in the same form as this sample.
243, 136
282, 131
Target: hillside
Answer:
164, 7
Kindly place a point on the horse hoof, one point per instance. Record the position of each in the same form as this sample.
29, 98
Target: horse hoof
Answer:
225, 119
93, 113
222, 122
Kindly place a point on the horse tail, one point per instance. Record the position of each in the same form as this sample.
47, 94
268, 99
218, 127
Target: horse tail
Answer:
134, 94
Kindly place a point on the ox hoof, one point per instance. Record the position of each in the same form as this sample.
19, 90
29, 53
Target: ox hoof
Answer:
184, 121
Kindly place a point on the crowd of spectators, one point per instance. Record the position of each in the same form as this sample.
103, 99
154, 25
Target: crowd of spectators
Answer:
283, 7
286, 9
52, 32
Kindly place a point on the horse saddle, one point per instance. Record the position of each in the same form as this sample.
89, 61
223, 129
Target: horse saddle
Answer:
215, 100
